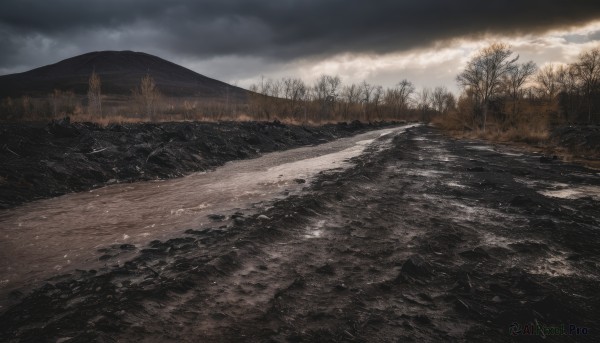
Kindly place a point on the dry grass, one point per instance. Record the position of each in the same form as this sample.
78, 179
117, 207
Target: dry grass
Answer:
115, 119
526, 129
239, 117
528, 135
531, 136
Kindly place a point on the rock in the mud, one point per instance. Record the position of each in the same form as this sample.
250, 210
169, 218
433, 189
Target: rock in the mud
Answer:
528, 247
299, 181
422, 319
105, 257
498, 289
548, 159
341, 287
414, 267
216, 217
475, 254
262, 217
237, 215
62, 128
524, 283
540, 223
326, 269
154, 251
521, 201
208, 232
127, 247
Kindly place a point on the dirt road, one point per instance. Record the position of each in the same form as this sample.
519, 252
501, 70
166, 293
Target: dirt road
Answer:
430, 239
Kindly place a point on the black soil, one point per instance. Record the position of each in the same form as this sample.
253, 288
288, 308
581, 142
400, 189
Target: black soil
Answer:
41, 161
580, 140
431, 240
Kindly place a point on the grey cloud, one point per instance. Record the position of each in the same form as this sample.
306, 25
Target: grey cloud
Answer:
274, 30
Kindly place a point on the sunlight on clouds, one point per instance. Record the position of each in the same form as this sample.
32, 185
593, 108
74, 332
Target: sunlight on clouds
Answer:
426, 67
556, 46
440, 64
355, 68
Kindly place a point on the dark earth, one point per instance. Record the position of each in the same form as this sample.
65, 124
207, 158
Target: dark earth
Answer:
580, 141
433, 239
46, 160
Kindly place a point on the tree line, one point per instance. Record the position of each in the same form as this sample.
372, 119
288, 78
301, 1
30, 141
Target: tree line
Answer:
499, 91
327, 99
145, 101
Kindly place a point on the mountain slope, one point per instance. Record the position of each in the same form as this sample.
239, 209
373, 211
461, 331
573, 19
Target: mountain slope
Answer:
120, 72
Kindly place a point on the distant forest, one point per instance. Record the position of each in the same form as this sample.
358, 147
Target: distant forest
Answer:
498, 93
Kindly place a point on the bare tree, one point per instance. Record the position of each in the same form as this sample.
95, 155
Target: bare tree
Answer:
438, 98
484, 73
424, 99
547, 80
295, 91
55, 101
326, 92
567, 78
442, 100
350, 96
517, 76
449, 102
569, 89
147, 96
94, 94
366, 91
515, 79
62, 103
398, 98
588, 71
275, 88
377, 98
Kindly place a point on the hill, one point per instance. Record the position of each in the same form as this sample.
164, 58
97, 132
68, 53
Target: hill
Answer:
120, 72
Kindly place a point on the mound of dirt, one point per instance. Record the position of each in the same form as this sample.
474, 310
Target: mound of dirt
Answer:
581, 140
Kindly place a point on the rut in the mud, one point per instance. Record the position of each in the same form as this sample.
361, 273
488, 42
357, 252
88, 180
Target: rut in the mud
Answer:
430, 240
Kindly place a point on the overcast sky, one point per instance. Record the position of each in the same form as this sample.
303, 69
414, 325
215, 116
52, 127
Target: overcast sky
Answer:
237, 41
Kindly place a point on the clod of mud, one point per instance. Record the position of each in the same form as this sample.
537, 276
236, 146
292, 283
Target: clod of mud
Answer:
414, 267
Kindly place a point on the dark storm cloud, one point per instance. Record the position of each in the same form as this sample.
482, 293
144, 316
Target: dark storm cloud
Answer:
278, 30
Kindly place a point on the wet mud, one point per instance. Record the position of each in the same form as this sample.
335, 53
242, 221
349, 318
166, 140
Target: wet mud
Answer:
47, 160
431, 239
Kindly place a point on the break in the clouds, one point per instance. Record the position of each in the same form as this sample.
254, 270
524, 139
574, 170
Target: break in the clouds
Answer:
238, 40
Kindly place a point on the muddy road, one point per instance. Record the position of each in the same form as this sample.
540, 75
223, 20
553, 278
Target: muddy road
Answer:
419, 238
32, 245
